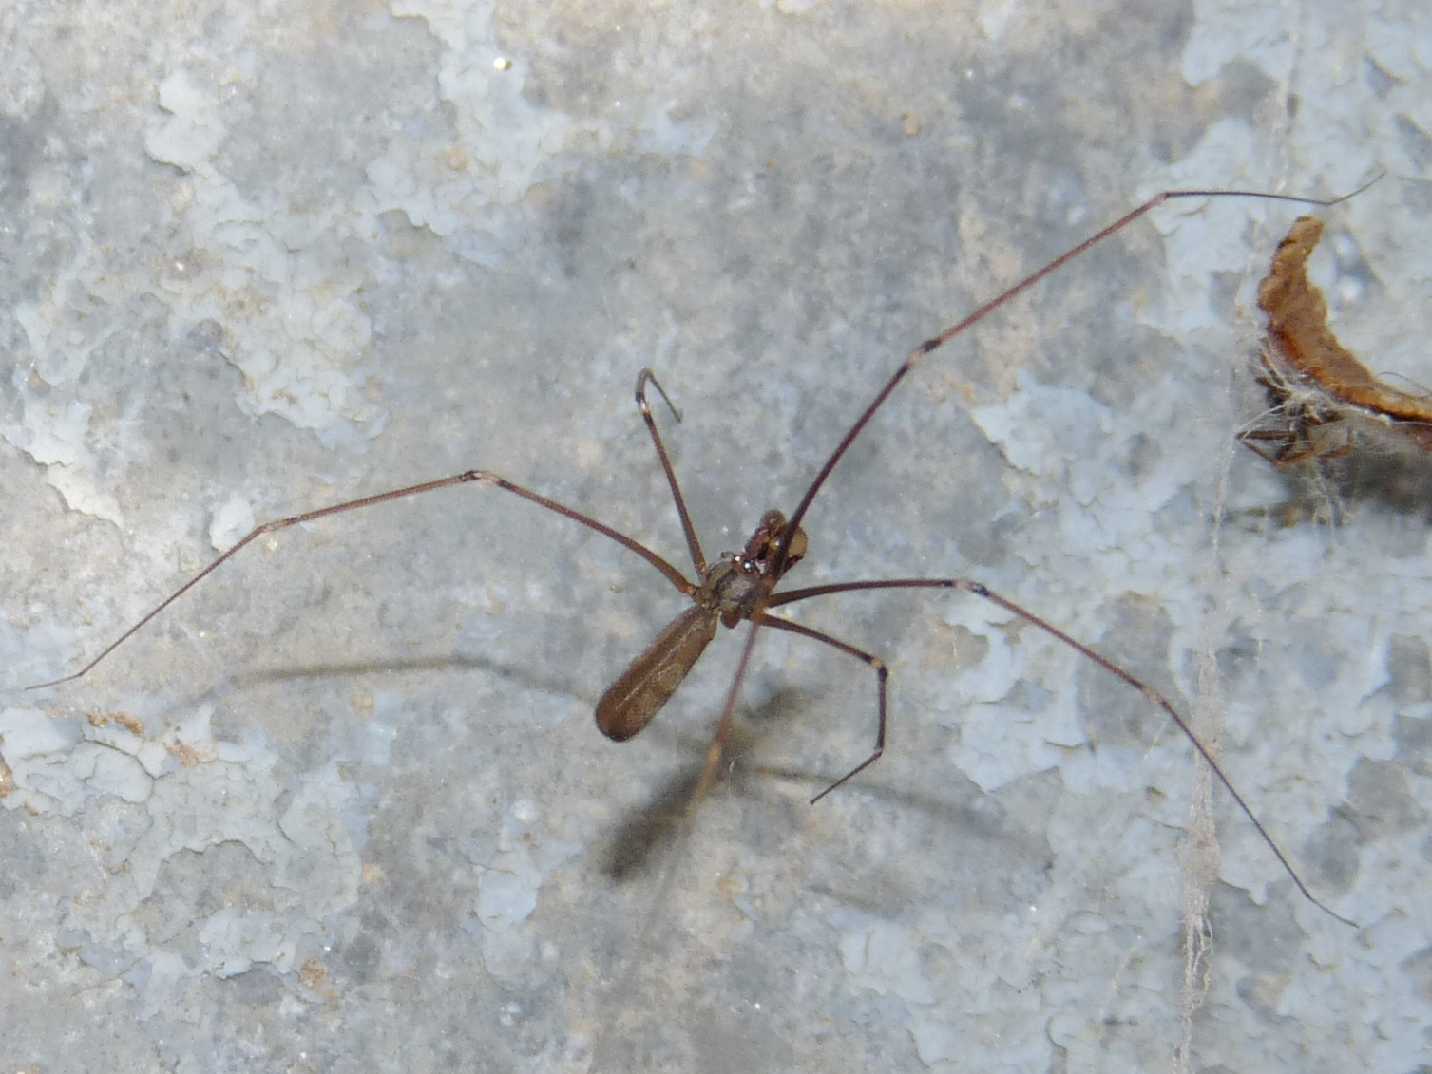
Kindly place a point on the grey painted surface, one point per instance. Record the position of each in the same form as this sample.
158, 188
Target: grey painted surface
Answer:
344, 807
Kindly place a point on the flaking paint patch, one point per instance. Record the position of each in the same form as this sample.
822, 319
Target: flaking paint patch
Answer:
201, 794
305, 332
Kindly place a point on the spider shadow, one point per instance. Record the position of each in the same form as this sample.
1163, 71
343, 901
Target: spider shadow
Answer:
519, 673
652, 830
